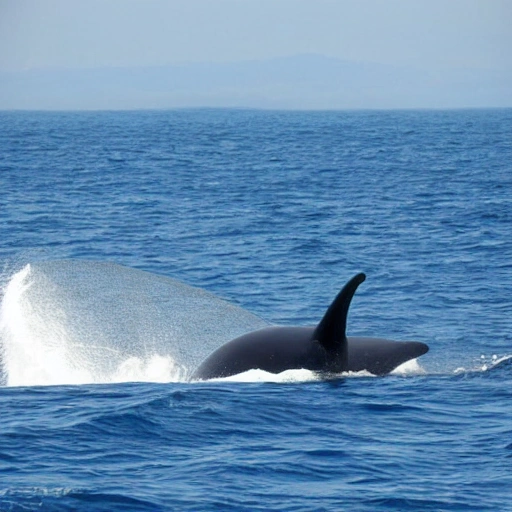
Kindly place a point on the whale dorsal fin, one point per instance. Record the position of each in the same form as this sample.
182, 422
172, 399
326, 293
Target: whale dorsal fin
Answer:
330, 332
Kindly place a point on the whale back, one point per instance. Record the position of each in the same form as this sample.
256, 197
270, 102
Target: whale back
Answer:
274, 349
381, 356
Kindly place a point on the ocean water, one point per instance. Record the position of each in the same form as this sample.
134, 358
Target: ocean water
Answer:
132, 244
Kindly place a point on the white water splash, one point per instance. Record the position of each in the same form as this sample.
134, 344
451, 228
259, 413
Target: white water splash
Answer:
301, 375
153, 369
486, 364
411, 367
39, 348
288, 376
34, 351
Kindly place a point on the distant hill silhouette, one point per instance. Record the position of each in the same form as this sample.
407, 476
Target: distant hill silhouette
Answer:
297, 82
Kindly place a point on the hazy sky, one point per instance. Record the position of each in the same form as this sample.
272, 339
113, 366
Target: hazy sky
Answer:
97, 33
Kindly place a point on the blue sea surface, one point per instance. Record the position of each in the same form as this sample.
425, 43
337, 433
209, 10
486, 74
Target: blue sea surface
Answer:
132, 244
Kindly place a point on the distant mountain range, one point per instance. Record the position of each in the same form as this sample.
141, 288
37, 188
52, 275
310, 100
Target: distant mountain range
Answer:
298, 82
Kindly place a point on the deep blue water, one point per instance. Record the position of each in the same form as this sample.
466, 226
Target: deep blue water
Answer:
104, 214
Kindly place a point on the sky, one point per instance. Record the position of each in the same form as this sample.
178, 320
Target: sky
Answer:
98, 33
432, 34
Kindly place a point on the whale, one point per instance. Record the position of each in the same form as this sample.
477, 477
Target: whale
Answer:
324, 349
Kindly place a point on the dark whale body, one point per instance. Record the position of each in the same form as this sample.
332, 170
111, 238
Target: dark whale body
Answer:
324, 348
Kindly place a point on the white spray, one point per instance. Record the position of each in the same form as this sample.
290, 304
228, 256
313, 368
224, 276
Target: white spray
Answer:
39, 348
